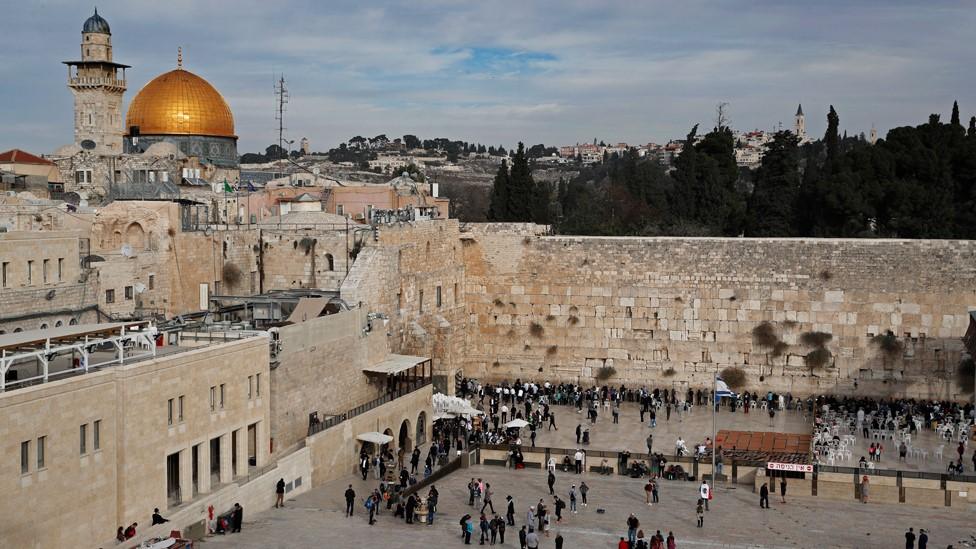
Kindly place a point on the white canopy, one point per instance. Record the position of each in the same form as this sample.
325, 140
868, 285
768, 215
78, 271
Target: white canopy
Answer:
516, 424
443, 415
374, 437
454, 405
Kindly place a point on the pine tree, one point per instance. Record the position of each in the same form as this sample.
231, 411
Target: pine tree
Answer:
972, 127
955, 114
498, 209
771, 206
522, 193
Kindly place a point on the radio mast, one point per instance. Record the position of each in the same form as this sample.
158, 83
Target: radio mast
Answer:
281, 92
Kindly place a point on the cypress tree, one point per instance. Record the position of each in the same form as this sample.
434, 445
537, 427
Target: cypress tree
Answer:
831, 138
955, 114
522, 195
498, 209
972, 127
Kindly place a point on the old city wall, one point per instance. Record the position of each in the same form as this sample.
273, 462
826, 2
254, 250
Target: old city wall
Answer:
675, 310
305, 259
320, 369
414, 274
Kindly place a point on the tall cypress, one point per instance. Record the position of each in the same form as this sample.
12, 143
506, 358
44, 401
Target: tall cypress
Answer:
831, 137
498, 209
955, 114
972, 127
522, 195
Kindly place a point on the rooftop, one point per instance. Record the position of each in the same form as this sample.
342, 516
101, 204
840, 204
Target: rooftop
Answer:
17, 156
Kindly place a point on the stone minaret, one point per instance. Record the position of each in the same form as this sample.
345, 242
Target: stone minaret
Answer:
800, 125
97, 86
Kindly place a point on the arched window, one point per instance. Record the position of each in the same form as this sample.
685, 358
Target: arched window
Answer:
330, 262
422, 428
58, 324
44, 326
18, 330
73, 322
2, 332
135, 236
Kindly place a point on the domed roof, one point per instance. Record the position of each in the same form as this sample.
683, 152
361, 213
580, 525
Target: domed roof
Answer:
180, 103
96, 23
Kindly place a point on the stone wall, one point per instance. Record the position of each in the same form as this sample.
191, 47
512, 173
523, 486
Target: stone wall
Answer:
321, 369
401, 275
663, 310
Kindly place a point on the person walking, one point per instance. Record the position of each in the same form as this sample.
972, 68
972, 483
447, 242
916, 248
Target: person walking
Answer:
705, 493
472, 487
700, 511
510, 514
371, 504
864, 489
572, 499
522, 537
578, 458
532, 539
649, 442
552, 421
280, 493
584, 489
350, 498
487, 499
501, 529
579, 432
414, 461
551, 481
653, 418
654, 488
648, 488
632, 525
782, 488
764, 496
671, 544
559, 505
431, 507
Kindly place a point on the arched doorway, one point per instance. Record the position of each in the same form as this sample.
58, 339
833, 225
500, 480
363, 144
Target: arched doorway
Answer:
135, 236
388, 432
403, 441
421, 437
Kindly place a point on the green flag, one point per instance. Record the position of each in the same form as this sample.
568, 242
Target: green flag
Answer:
227, 187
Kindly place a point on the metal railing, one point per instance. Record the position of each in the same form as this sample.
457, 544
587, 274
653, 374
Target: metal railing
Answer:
332, 421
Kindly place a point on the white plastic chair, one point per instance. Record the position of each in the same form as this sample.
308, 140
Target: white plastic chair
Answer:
938, 452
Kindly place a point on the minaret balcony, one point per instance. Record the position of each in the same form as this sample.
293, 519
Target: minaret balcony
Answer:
90, 81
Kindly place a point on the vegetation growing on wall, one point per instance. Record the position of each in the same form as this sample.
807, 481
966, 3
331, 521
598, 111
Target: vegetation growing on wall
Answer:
889, 345
734, 377
604, 373
536, 329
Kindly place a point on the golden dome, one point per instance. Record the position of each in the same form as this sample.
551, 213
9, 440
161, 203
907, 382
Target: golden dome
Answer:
180, 103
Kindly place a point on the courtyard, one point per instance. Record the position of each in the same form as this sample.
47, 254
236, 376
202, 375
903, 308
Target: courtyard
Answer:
316, 519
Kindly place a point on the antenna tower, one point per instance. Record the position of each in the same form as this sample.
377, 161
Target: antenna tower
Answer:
281, 93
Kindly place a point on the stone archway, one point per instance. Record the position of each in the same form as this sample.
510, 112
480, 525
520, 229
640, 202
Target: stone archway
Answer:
403, 440
421, 436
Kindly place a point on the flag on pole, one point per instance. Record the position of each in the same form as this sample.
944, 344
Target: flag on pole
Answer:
250, 187
722, 390
227, 187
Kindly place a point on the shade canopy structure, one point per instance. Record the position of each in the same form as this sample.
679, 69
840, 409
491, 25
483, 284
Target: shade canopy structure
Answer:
374, 437
516, 424
395, 364
444, 415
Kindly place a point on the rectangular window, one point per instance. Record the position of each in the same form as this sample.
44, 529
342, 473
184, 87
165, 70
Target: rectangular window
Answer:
152, 281
25, 457
109, 296
169, 411
213, 398
60, 269
44, 264
222, 395
437, 295
421, 301
40, 452
250, 386
181, 408
30, 272
164, 176
339, 209
257, 384
128, 292
97, 435
83, 439
5, 272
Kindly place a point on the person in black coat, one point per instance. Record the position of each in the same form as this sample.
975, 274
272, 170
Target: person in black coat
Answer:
236, 518
411, 507
511, 511
764, 496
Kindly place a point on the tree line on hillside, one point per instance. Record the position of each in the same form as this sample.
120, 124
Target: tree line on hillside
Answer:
918, 182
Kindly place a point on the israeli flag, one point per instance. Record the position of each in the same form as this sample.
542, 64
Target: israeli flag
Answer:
722, 390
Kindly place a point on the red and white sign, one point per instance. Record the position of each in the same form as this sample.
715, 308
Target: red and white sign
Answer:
795, 467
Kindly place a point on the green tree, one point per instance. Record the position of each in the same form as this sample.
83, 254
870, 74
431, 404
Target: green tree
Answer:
498, 207
955, 114
771, 210
830, 138
523, 193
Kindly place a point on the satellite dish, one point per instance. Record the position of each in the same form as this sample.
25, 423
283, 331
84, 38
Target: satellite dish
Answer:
87, 144
139, 287
126, 250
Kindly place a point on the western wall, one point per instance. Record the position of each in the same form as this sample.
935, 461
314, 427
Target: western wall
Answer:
669, 312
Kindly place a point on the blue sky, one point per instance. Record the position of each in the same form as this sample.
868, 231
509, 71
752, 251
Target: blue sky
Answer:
499, 72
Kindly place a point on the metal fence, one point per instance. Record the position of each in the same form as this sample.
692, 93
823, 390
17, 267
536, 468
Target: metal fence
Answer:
334, 420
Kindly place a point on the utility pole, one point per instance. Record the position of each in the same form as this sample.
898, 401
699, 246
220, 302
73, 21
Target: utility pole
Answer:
281, 92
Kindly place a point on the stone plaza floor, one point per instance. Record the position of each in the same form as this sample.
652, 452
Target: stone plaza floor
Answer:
316, 519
